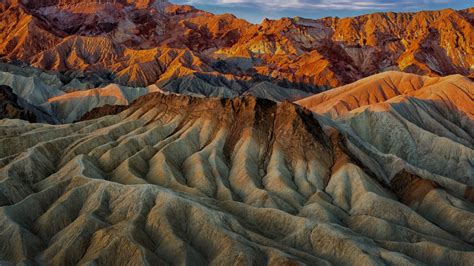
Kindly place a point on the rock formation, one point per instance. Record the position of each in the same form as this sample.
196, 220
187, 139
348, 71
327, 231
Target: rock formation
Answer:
10, 108
53, 101
14, 107
453, 93
101, 111
182, 49
181, 180
66, 57
71, 106
176, 158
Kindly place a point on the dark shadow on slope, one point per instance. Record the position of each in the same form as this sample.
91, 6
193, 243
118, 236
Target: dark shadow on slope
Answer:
451, 121
14, 107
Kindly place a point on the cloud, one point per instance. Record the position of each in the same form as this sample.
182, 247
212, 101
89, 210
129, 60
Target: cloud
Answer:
322, 4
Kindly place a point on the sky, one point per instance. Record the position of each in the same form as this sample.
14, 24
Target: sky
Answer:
256, 10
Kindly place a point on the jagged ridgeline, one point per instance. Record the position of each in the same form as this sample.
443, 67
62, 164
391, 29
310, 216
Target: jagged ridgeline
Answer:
180, 48
175, 179
65, 58
171, 156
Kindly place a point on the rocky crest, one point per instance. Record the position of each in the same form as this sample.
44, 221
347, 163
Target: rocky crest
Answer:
10, 107
14, 107
183, 49
176, 179
377, 171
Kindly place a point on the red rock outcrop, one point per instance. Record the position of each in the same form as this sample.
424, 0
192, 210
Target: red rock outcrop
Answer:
146, 42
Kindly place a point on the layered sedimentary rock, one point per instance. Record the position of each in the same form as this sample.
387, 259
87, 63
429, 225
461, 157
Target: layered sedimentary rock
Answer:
71, 106
453, 92
413, 117
54, 48
185, 50
175, 179
66, 99
52, 100
379, 171
101, 111
10, 107
14, 107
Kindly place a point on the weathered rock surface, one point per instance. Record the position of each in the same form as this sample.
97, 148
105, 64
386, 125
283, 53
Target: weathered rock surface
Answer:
10, 107
180, 48
54, 51
52, 101
182, 180
71, 106
14, 107
443, 106
66, 99
452, 92
103, 111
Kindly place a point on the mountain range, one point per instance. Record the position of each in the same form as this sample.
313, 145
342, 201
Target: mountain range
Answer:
68, 46
143, 132
182, 49
175, 179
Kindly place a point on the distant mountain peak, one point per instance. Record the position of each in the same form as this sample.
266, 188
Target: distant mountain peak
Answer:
138, 43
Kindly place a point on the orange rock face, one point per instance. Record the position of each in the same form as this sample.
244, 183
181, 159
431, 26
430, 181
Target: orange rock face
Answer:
138, 43
378, 91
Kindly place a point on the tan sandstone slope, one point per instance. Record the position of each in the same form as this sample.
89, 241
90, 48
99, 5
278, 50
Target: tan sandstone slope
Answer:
456, 91
182, 180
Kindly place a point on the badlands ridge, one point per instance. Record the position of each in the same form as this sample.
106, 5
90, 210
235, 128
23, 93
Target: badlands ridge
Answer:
91, 43
64, 58
380, 173
142, 132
